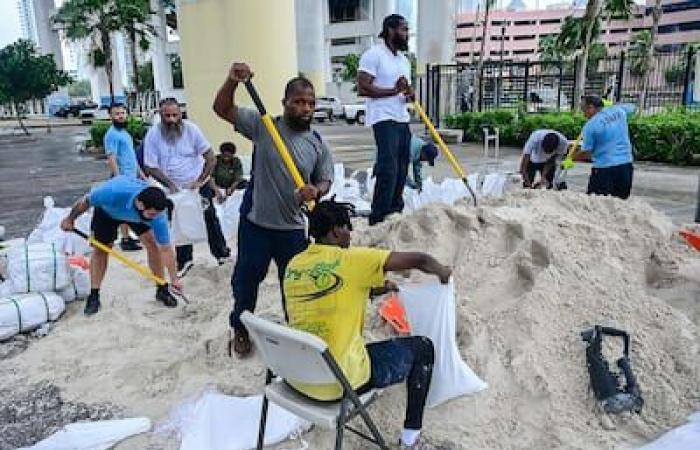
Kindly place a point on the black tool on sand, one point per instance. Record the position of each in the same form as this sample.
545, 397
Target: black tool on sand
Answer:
607, 385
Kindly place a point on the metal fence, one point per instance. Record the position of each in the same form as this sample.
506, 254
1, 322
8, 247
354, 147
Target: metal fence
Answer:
549, 86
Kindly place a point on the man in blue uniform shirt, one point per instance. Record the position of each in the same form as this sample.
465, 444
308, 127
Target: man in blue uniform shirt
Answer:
128, 200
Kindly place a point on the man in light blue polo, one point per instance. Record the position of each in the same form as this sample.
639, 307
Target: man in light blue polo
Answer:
121, 159
130, 201
421, 152
606, 138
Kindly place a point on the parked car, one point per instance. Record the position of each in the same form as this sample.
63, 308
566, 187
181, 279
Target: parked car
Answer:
328, 108
355, 113
75, 109
87, 116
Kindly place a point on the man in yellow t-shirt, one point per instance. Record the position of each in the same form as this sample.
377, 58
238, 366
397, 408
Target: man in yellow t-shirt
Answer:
326, 288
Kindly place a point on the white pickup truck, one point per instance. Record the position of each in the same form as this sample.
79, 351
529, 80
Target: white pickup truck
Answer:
355, 113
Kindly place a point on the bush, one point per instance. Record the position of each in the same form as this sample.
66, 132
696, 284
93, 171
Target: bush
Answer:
669, 137
134, 126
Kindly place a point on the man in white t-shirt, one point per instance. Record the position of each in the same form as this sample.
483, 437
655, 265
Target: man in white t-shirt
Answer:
383, 77
543, 152
177, 154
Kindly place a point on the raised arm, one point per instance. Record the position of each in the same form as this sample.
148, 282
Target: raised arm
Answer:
224, 103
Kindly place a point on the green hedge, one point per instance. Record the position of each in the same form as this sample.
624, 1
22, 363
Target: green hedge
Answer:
134, 125
669, 137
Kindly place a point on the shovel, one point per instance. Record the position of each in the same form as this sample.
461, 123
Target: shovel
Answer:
145, 271
443, 147
277, 139
560, 179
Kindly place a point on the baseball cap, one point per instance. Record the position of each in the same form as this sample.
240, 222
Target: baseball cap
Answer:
430, 152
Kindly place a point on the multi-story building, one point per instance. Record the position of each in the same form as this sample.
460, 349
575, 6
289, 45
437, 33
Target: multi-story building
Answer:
517, 33
35, 25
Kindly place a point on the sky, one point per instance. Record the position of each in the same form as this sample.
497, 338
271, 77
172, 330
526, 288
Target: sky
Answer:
9, 22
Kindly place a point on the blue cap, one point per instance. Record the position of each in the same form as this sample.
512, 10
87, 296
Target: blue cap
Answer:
429, 152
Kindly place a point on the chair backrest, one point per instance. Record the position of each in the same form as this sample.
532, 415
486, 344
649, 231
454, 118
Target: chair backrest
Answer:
292, 354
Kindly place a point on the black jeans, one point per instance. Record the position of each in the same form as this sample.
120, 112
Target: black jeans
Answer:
217, 241
393, 141
547, 167
410, 359
257, 247
615, 181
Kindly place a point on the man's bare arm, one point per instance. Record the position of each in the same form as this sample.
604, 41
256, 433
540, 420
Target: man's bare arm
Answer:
161, 178
365, 88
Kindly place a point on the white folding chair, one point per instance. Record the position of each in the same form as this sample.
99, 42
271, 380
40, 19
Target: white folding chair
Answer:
491, 134
303, 357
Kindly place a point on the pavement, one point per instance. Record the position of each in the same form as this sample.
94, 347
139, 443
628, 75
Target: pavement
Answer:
49, 164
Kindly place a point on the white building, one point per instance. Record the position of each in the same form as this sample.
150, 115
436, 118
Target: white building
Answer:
35, 25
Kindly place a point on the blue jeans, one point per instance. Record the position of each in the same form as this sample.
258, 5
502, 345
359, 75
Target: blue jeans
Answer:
393, 141
257, 246
410, 359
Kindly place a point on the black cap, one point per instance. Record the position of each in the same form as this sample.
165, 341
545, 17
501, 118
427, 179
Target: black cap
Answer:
391, 21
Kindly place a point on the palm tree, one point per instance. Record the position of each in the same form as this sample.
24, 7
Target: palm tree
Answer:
134, 17
656, 17
638, 53
488, 4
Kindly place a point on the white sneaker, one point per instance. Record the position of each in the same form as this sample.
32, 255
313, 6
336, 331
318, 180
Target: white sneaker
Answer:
185, 268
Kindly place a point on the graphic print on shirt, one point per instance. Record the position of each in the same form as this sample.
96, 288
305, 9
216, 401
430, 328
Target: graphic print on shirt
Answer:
323, 277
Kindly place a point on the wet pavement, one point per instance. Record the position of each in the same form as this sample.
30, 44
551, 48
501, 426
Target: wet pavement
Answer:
32, 167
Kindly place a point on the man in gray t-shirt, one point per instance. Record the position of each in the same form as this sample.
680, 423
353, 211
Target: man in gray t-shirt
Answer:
272, 225
542, 152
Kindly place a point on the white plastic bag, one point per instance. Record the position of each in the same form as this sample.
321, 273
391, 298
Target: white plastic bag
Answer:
216, 421
338, 185
228, 213
6, 288
38, 267
25, 312
49, 230
187, 225
494, 185
79, 287
684, 437
100, 435
430, 310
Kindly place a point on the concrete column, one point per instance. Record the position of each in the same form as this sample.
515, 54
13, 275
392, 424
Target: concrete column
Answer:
310, 42
436, 33
162, 70
216, 33
47, 34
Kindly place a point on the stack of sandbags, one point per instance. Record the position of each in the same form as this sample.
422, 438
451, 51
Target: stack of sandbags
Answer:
26, 312
37, 268
49, 230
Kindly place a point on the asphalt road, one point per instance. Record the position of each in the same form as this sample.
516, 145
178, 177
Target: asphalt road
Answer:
49, 164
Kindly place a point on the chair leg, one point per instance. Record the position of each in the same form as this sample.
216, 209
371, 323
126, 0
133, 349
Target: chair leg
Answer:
340, 427
263, 423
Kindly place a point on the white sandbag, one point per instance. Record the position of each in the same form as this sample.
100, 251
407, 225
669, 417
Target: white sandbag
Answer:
38, 267
78, 288
6, 288
215, 421
430, 311
338, 186
494, 185
25, 312
99, 435
49, 230
187, 225
684, 437
228, 213
5, 247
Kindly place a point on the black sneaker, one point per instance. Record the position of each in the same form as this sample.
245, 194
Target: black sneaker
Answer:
130, 245
163, 295
92, 305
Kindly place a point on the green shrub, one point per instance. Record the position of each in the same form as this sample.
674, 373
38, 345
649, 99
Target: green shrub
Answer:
134, 125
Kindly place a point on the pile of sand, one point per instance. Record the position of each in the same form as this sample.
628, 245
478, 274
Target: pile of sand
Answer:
532, 271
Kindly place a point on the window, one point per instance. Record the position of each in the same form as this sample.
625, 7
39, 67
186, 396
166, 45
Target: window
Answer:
498, 23
499, 38
637, 29
348, 10
525, 22
618, 31
523, 52
344, 41
524, 37
338, 60
176, 69
465, 25
549, 21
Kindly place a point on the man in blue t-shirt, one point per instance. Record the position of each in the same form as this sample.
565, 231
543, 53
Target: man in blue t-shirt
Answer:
606, 139
121, 159
127, 200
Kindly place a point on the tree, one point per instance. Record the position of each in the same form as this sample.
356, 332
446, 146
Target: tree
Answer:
95, 20
351, 63
135, 21
25, 75
656, 13
638, 53
484, 28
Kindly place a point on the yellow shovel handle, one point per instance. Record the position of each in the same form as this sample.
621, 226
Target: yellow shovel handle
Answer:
437, 138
